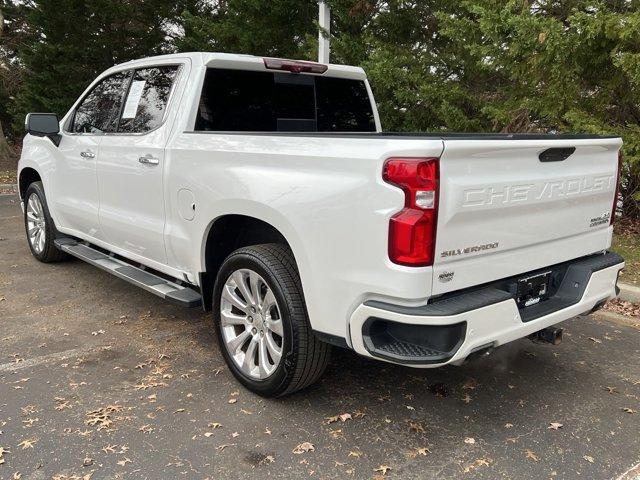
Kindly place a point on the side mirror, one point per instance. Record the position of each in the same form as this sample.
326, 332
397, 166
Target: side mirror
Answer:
44, 125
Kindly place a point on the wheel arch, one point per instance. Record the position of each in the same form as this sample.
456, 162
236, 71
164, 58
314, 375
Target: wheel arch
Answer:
226, 234
27, 176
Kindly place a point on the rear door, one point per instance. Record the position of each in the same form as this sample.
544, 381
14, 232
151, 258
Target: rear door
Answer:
512, 206
131, 165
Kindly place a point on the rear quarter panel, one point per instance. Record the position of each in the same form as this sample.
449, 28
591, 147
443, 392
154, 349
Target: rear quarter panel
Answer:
324, 194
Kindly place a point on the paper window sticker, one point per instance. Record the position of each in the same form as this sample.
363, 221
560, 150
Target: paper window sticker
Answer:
133, 99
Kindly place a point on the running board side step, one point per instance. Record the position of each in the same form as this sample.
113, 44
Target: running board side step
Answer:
177, 294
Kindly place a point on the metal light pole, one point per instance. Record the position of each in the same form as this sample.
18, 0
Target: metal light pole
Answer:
325, 26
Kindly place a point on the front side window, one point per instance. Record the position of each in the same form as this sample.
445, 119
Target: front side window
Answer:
250, 101
99, 110
147, 99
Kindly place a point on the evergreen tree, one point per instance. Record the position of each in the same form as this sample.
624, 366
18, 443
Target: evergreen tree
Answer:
71, 41
277, 28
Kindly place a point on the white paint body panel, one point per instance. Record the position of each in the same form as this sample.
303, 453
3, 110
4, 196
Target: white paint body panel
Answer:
325, 195
498, 192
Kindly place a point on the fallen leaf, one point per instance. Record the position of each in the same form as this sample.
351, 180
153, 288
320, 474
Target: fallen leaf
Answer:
222, 447
595, 340
508, 425
2, 452
588, 458
214, 425
383, 469
470, 384
246, 412
109, 448
629, 410
232, 400
611, 390
267, 459
354, 453
470, 440
208, 434
146, 429
415, 427
304, 447
467, 398
122, 463
532, 455
555, 426
345, 416
422, 451
330, 420
29, 443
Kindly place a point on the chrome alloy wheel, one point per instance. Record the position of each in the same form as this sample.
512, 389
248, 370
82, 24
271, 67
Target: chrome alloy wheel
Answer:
36, 224
251, 324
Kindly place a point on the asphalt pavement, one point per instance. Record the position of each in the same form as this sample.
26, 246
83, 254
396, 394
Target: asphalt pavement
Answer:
101, 380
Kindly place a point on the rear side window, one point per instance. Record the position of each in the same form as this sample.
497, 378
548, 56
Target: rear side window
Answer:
147, 99
246, 101
100, 109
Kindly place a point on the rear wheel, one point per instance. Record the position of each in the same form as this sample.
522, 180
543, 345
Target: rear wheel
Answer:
261, 322
41, 232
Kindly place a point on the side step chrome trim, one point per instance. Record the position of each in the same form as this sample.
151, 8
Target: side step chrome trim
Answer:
178, 294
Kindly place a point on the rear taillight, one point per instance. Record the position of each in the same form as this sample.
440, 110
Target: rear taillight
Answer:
615, 198
412, 231
294, 66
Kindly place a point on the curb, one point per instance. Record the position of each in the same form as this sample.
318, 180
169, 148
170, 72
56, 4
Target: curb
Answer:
8, 189
617, 318
629, 293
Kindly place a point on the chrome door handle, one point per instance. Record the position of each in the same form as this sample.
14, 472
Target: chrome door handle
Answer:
87, 154
148, 160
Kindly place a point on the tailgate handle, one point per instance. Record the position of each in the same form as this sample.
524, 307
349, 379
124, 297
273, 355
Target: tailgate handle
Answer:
556, 154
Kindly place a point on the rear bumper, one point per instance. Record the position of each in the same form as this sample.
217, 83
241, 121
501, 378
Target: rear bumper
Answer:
447, 331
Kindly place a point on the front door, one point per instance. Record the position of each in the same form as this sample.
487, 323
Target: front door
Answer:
131, 164
74, 181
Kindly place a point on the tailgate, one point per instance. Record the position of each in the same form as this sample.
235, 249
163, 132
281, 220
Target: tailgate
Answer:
506, 209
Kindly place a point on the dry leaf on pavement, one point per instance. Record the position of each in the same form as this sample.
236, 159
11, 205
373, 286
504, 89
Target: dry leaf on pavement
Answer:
29, 443
531, 455
555, 426
304, 447
383, 469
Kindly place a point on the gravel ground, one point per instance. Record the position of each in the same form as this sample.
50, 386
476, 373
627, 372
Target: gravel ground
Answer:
101, 380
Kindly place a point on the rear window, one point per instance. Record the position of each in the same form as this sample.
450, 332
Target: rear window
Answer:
246, 101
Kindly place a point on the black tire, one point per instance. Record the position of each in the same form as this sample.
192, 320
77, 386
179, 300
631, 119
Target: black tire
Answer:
49, 252
304, 357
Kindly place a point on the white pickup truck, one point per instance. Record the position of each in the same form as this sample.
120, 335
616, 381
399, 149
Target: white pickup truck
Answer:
265, 191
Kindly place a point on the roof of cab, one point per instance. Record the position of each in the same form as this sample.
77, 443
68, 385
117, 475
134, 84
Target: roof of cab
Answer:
234, 61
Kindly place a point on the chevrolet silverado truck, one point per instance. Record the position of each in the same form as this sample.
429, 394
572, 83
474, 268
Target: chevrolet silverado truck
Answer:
264, 190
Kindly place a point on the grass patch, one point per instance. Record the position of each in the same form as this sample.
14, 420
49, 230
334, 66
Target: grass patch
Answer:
626, 242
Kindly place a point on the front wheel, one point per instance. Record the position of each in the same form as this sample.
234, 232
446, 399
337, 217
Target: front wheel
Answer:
261, 322
38, 224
